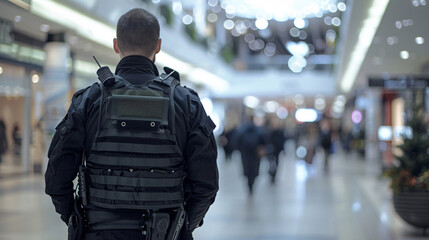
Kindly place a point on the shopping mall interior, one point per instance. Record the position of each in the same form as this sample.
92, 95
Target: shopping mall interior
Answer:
338, 89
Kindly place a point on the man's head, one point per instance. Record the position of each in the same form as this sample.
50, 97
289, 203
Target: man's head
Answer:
137, 33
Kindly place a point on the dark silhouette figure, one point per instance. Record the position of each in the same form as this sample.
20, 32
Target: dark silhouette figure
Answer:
325, 139
16, 136
277, 139
3, 139
251, 141
228, 142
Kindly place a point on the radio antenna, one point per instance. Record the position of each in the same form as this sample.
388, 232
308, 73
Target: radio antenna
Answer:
96, 61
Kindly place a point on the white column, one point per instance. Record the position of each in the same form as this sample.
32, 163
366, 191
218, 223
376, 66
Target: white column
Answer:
55, 84
372, 122
26, 125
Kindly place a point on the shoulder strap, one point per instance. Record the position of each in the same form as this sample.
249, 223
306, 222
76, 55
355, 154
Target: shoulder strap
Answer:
170, 81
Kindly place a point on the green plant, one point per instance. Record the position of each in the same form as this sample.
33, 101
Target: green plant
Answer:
411, 173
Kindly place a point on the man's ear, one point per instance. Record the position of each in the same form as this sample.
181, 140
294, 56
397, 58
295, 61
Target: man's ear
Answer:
115, 45
158, 46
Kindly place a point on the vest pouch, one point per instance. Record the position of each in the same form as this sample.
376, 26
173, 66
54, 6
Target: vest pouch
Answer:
133, 111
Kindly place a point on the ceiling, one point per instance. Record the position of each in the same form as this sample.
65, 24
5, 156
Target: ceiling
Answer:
384, 55
277, 82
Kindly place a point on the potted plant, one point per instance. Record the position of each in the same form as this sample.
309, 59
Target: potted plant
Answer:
410, 175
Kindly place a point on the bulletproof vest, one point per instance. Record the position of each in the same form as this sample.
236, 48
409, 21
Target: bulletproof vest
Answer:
135, 161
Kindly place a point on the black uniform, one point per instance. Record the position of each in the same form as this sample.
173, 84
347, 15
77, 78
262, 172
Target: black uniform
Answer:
76, 135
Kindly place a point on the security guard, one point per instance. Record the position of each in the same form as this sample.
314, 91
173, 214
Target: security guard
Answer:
142, 145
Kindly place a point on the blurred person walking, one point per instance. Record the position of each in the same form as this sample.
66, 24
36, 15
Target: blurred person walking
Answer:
325, 140
251, 142
228, 143
3, 140
276, 141
16, 136
142, 146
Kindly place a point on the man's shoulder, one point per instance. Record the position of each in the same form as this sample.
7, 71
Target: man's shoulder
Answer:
90, 93
187, 91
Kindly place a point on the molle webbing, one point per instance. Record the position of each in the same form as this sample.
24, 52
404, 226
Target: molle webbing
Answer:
134, 196
136, 182
167, 162
134, 167
134, 148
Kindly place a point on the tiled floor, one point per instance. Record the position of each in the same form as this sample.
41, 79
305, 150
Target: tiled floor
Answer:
349, 202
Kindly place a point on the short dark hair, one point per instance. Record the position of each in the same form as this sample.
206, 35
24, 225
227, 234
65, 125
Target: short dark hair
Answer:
137, 31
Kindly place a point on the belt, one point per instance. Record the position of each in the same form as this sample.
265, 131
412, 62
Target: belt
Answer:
108, 220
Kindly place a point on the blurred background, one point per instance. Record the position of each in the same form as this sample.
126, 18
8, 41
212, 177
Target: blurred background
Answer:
325, 86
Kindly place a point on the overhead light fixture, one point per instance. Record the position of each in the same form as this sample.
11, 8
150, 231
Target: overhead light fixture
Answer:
35, 78
366, 36
282, 113
299, 23
187, 19
1, 70
212, 17
45, 28
18, 18
228, 24
404, 54
212, 3
341, 6
271, 106
336, 21
261, 23
320, 104
420, 40
251, 101
177, 7
306, 115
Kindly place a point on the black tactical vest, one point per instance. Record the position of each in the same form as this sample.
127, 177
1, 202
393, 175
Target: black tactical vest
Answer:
135, 161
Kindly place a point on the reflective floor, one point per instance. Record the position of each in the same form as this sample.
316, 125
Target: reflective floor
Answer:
349, 202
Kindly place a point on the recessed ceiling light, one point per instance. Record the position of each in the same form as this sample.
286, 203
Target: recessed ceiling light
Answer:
328, 20
420, 40
299, 23
212, 17
228, 24
392, 40
423, 2
187, 19
18, 18
336, 21
261, 23
341, 6
35, 78
45, 28
1, 70
405, 54
212, 3
398, 24
416, 3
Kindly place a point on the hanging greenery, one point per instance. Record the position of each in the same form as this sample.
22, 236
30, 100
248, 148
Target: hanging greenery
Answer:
167, 13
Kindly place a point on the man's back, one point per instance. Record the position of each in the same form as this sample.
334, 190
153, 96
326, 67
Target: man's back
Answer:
194, 140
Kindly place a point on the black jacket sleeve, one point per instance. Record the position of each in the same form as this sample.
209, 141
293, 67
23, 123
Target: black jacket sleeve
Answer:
65, 155
200, 156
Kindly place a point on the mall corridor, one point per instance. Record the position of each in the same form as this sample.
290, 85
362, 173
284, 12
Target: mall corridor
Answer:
349, 202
